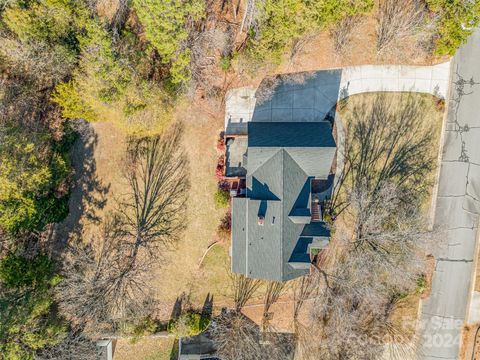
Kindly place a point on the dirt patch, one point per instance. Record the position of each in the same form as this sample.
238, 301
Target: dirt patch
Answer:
470, 343
318, 53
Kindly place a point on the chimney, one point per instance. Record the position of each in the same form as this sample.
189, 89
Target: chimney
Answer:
261, 220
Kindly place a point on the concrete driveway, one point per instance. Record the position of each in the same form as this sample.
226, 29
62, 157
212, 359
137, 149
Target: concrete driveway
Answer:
310, 96
457, 210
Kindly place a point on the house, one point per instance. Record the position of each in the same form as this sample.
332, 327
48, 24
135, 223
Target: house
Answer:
277, 222
104, 349
198, 347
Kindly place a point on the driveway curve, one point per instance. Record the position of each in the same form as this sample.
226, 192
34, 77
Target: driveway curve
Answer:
309, 96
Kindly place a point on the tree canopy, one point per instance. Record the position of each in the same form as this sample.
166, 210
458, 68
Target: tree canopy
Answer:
456, 21
166, 28
30, 173
26, 299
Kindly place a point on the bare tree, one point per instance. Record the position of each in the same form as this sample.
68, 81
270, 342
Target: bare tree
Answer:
267, 89
75, 346
237, 337
153, 212
342, 32
304, 288
270, 84
272, 294
396, 21
43, 63
206, 47
254, 10
385, 143
253, 16
384, 256
100, 290
352, 315
103, 288
244, 288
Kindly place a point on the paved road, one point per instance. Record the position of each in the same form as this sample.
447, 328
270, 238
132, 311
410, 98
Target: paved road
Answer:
457, 209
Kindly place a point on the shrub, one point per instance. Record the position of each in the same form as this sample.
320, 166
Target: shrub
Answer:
188, 324
225, 225
222, 198
17, 271
421, 284
73, 107
142, 327
220, 170
221, 144
225, 63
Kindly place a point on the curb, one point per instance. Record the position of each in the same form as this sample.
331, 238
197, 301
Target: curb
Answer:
433, 204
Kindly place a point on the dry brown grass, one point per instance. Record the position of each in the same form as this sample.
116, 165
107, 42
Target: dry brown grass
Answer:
108, 155
433, 120
406, 312
158, 348
181, 273
469, 342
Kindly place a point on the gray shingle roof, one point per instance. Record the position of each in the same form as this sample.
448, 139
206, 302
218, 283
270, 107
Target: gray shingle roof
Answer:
290, 134
239, 234
278, 190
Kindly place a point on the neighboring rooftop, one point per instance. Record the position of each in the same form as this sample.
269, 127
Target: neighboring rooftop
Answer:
196, 347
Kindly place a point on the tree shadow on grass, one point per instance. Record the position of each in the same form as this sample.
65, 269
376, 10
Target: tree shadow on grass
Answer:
88, 194
181, 304
387, 140
175, 350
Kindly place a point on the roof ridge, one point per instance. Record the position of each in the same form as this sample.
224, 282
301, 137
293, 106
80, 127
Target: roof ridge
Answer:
265, 162
295, 161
